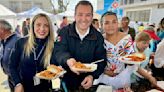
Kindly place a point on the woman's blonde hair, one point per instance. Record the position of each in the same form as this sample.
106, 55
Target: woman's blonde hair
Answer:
30, 43
142, 36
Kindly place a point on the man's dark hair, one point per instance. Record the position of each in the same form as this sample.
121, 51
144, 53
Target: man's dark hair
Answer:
64, 17
161, 22
107, 13
94, 21
126, 17
27, 18
83, 2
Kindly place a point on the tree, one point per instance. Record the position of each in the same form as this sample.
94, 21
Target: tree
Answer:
61, 5
53, 6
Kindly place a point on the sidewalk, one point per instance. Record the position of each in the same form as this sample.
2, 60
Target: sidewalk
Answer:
3, 82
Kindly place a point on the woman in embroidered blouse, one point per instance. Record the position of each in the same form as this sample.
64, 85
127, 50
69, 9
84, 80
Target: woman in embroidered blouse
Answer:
32, 54
117, 44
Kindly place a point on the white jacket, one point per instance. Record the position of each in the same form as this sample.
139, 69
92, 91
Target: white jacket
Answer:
159, 58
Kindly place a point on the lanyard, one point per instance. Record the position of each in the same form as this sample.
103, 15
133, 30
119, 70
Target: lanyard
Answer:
40, 52
37, 57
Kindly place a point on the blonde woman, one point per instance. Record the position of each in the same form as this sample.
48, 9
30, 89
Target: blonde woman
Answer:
32, 54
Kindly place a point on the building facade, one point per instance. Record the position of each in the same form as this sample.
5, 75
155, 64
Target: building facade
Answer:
23, 5
150, 11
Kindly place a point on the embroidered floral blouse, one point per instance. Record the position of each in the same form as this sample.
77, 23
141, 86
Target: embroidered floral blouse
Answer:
114, 52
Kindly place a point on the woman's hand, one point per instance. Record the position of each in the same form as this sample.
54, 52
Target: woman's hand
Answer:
19, 88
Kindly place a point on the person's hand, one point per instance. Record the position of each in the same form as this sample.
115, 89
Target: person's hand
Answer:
19, 88
87, 82
70, 63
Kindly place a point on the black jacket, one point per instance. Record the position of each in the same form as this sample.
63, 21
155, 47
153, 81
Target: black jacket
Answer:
24, 68
69, 45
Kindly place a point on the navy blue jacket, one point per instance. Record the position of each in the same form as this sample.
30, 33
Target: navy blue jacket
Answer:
69, 45
24, 68
8, 46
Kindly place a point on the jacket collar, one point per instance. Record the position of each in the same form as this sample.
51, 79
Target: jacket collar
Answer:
73, 33
9, 37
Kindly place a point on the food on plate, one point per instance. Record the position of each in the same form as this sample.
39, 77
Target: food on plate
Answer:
136, 57
52, 72
54, 69
47, 74
81, 66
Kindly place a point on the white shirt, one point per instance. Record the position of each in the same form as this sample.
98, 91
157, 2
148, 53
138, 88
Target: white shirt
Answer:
80, 35
159, 58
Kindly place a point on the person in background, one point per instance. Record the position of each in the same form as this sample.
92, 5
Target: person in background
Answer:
158, 61
23, 26
141, 27
160, 34
152, 25
158, 70
142, 42
18, 30
80, 42
8, 39
117, 44
150, 30
126, 29
64, 22
135, 26
26, 27
95, 23
141, 45
31, 55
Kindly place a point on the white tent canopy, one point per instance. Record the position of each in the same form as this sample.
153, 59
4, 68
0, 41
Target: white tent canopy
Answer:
32, 12
69, 13
6, 13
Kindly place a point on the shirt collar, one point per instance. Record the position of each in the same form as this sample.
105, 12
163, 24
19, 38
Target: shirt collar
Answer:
90, 36
7, 38
80, 35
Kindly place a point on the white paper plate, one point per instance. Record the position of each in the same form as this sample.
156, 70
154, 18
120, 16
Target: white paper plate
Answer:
129, 61
104, 88
160, 84
56, 76
92, 67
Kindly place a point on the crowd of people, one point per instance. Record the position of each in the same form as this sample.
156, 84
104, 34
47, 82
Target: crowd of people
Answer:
22, 57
